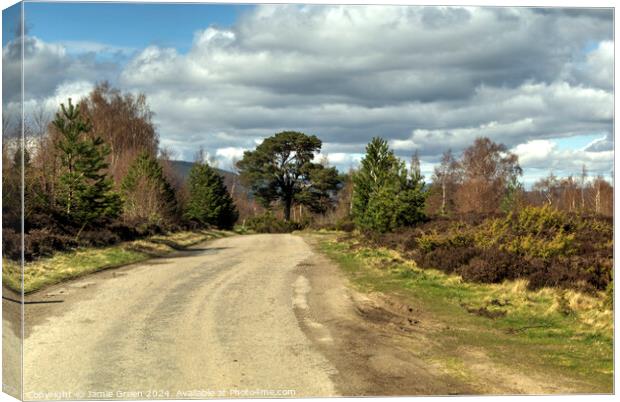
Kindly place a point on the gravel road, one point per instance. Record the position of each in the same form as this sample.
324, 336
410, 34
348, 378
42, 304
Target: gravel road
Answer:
213, 321
243, 316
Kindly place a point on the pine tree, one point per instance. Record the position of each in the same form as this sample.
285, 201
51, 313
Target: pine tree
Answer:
513, 198
209, 202
411, 195
385, 195
147, 195
281, 169
376, 165
84, 192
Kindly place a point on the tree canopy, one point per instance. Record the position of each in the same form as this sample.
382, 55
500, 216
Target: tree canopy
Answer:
147, 195
282, 169
385, 195
209, 202
489, 170
84, 193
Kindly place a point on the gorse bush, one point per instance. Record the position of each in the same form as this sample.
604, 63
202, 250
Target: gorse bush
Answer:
532, 232
533, 220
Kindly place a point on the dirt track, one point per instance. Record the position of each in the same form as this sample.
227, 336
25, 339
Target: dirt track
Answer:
259, 315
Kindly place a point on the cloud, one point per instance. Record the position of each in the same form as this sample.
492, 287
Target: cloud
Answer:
602, 144
427, 78
47, 66
598, 67
534, 151
540, 157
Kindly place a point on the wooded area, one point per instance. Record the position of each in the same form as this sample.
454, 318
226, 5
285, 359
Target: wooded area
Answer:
95, 175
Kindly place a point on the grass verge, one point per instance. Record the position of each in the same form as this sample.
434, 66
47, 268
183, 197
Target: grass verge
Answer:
550, 331
71, 264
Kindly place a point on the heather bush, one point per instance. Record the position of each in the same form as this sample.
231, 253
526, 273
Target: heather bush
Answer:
545, 246
11, 244
345, 224
447, 258
492, 266
98, 238
42, 242
268, 223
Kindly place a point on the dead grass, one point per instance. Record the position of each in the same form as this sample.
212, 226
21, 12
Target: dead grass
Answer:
71, 264
548, 331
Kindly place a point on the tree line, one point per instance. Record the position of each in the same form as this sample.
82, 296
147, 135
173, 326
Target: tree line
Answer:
95, 175
382, 194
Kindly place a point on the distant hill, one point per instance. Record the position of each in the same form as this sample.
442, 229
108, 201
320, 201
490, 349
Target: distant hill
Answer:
182, 168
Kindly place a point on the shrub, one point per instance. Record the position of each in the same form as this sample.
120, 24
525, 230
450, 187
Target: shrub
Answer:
542, 245
493, 266
268, 223
124, 231
447, 258
98, 238
345, 224
540, 220
42, 242
11, 244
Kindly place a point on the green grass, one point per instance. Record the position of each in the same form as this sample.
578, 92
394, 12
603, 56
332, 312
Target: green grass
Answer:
547, 331
67, 265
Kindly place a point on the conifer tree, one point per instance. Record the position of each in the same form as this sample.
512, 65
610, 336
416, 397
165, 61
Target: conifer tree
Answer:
209, 202
376, 166
84, 192
281, 169
147, 195
385, 195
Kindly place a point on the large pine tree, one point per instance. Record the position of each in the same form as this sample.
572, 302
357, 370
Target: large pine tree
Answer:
209, 202
84, 192
281, 169
147, 195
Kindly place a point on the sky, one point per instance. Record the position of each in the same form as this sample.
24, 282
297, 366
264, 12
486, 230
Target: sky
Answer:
428, 79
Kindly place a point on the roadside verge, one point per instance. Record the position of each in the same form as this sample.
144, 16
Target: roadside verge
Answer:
62, 266
546, 341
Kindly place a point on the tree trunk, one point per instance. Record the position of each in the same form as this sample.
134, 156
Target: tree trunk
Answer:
443, 197
287, 209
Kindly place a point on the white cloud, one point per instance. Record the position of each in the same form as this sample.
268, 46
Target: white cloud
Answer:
598, 67
539, 157
534, 151
230, 153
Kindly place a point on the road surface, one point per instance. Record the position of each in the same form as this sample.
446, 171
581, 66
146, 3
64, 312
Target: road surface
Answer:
243, 316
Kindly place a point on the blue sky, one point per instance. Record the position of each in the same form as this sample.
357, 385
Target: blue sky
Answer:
426, 78
10, 22
130, 25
